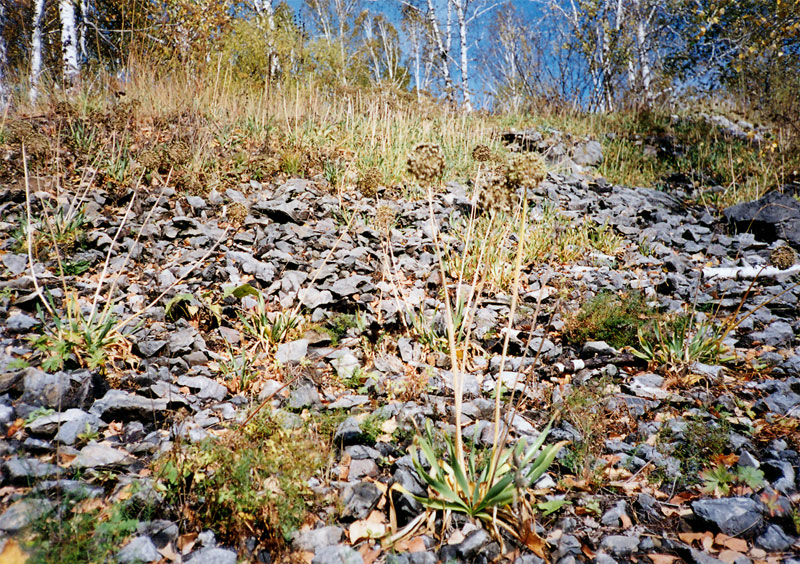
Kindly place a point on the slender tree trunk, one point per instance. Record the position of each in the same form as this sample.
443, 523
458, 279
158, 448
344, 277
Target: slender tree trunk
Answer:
36, 49
4, 89
461, 6
642, 53
444, 52
69, 41
83, 27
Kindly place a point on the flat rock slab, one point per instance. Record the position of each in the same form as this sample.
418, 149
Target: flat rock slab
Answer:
23, 512
734, 516
119, 404
775, 216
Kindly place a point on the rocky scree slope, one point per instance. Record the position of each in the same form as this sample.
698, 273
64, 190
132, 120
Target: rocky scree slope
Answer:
627, 489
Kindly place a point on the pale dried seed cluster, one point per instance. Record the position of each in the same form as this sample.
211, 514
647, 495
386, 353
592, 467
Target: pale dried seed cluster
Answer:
369, 181
525, 169
179, 152
23, 133
237, 213
426, 163
481, 153
150, 159
783, 257
384, 218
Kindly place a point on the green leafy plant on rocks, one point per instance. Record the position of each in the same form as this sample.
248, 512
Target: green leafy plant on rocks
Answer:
249, 482
483, 489
613, 318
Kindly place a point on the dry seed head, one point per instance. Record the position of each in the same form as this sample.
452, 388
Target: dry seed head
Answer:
237, 213
369, 181
481, 153
384, 218
426, 162
783, 257
23, 133
150, 159
525, 169
179, 152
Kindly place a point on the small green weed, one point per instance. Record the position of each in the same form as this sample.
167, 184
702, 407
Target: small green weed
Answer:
584, 408
676, 346
250, 482
80, 339
702, 441
80, 534
615, 319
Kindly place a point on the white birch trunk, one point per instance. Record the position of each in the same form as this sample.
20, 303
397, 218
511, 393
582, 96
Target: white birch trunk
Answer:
460, 6
83, 27
442, 47
4, 89
36, 49
642, 25
69, 41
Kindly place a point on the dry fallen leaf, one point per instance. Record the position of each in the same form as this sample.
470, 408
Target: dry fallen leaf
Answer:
662, 558
732, 543
12, 553
530, 539
368, 554
363, 530
729, 556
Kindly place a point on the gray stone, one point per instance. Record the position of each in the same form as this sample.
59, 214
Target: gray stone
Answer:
701, 557
733, 516
292, 352
196, 202
49, 424
614, 516
348, 432
589, 153
337, 554
16, 264
775, 216
473, 544
619, 545
160, 531
359, 499
207, 388
592, 348
777, 334
74, 488
348, 402
348, 286
313, 298
309, 541
23, 512
181, 342
774, 539
21, 323
121, 405
149, 349
345, 363
780, 474
212, 555
139, 549
98, 454
58, 391
303, 396
529, 559
25, 470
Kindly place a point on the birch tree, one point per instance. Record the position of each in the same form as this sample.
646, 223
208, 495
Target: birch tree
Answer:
36, 49
467, 12
265, 12
4, 89
69, 41
420, 53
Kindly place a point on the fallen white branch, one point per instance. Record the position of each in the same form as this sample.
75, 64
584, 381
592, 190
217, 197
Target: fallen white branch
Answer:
749, 272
